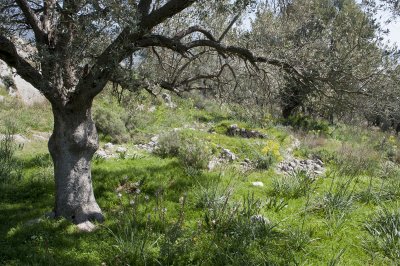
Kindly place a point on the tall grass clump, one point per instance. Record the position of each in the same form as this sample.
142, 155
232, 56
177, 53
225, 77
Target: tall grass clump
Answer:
10, 168
384, 233
292, 186
339, 198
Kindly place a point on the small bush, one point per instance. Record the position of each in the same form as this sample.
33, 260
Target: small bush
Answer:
194, 154
384, 230
169, 144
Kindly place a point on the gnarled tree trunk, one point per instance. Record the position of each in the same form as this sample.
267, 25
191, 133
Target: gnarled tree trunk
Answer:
72, 145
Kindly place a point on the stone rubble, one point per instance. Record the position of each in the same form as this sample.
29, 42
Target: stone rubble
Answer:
313, 167
235, 130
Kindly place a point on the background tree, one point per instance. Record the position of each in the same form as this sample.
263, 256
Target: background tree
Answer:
333, 43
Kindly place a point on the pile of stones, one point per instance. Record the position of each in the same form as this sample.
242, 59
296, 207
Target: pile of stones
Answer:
235, 130
313, 167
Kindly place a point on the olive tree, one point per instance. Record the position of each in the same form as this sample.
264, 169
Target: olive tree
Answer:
81, 45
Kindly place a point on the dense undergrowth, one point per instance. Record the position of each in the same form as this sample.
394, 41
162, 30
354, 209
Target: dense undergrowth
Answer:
167, 209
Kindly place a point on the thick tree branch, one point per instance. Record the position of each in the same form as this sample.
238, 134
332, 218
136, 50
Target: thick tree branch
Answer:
9, 54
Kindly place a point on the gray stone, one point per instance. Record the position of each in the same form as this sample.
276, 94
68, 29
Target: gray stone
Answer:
86, 227
102, 154
121, 150
227, 154
109, 146
1, 99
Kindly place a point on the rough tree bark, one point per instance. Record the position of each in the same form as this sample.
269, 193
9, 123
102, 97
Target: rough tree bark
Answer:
72, 145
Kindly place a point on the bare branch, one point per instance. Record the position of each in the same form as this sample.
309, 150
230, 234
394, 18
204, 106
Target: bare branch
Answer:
32, 20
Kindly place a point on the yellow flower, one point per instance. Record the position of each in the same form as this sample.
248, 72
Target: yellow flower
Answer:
272, 148
392, 140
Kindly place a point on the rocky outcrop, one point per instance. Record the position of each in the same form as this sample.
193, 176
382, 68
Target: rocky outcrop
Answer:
18, 87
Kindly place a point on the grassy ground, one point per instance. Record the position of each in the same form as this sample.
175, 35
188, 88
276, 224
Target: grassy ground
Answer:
166, 210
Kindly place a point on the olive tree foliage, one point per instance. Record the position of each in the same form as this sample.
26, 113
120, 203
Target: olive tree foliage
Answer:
335, 46
81, 45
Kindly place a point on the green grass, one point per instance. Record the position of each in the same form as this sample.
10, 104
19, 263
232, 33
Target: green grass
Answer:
207, 218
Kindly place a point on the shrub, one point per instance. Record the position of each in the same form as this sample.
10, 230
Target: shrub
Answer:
384, 228
109, 122
192, 152
10, 168
169, 144
307, 124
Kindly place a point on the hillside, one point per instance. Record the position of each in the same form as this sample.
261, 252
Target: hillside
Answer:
189, 181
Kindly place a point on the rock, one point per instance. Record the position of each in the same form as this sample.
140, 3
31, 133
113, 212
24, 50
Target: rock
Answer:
257, 184
152, 109
86, 227
155, 138
227, 154
18, 87
213, 163
102, 154
168, 100
109, 146
121, 150
293, 164
1, 99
